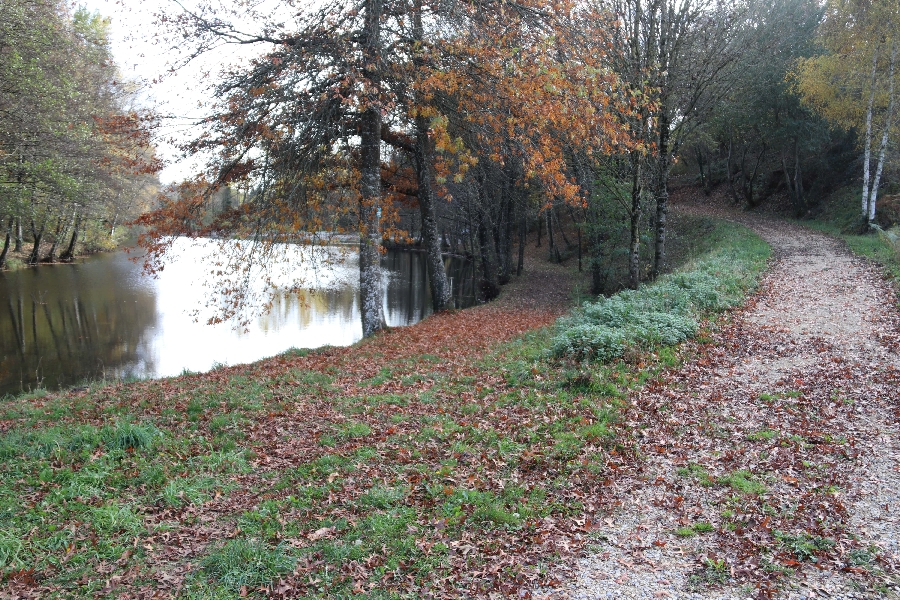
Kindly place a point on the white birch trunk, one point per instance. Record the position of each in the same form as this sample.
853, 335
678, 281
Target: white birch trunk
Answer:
868, 142
888, 123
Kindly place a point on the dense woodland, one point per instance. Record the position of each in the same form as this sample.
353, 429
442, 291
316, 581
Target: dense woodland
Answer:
76, 159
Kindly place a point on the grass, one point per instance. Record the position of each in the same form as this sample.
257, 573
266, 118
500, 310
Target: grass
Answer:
247, 563
743, 481
694, 529
697, 473
763, 435
668, 311
804, 546
713, 572
345, 474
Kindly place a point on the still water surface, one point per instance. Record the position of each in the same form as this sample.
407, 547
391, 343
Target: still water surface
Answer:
101, 318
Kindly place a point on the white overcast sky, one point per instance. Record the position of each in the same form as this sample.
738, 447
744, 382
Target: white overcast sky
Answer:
141, 57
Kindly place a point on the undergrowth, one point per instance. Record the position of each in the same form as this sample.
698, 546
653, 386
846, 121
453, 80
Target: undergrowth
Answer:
668, 311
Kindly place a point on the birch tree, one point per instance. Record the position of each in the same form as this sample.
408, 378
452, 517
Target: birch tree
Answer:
854, 82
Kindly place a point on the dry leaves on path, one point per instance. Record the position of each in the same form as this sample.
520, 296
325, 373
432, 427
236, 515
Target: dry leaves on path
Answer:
770, 461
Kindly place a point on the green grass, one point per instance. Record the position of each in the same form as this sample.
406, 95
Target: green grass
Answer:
247, 562
694, 529
804, 546
668, 311
415, 476
743, 481
763, 435
697, 473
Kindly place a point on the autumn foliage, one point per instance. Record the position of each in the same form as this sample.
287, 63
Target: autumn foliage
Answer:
480, 105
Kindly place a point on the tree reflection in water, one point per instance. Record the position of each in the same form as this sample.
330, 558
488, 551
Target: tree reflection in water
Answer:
64, 324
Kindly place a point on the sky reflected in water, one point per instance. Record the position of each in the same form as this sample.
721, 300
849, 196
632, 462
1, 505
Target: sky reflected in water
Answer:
63, 324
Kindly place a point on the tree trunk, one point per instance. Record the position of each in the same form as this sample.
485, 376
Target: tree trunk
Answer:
18, 246
6, 241
700, 165
634, 249
490, 280
873, 195
554, 251
730, 169
51, 255
370, 280
440, 286
562, 231
509, 219
69, 254
867, 155
38, 236
789, 182
662, 195
523, 233
577, 226
540, 229
799, 193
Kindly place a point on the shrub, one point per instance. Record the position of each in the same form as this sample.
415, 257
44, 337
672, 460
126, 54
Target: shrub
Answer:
666, 312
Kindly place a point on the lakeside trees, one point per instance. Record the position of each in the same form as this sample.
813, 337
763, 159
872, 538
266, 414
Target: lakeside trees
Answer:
350, 113
468, 124
76, 159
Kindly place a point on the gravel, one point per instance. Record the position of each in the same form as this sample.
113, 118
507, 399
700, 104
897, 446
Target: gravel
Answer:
818, 307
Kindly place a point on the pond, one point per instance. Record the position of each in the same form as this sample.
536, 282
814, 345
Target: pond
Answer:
101, 318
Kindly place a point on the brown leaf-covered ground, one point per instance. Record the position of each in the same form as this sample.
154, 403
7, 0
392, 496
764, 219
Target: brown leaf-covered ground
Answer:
314, 452
452, 459
768, 464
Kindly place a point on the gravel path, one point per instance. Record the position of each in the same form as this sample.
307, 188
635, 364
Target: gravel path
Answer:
770, 463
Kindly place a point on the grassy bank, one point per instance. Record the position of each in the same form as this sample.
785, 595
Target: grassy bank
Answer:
670, 310
429, 461
839, 216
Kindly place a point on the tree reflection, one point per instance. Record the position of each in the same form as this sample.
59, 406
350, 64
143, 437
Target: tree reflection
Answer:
68, 323
61, 325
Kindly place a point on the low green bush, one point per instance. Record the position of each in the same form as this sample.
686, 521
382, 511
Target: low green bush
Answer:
668, 311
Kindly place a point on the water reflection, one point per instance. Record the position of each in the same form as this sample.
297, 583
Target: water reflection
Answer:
63, 324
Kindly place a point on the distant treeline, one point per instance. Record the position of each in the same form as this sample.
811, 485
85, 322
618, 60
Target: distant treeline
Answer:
76, 159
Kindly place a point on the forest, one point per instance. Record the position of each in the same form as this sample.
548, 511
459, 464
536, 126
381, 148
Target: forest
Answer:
463, 126
76, 157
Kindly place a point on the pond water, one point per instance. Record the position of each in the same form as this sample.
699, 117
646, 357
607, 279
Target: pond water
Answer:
101, 318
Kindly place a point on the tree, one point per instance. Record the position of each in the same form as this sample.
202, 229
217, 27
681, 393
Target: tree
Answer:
482, 100
682, 53
853, 83
69, 147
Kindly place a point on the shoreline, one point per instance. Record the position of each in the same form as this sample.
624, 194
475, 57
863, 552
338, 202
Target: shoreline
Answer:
19, 260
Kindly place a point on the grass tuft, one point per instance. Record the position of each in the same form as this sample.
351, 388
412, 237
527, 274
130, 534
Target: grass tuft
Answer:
250, 563
127, 436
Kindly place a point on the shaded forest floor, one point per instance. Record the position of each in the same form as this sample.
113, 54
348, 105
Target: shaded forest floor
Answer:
454, 459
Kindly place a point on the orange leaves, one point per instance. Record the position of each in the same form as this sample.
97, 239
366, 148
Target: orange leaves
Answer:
533, 92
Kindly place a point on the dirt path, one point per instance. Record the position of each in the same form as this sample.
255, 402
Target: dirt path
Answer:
768, 465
